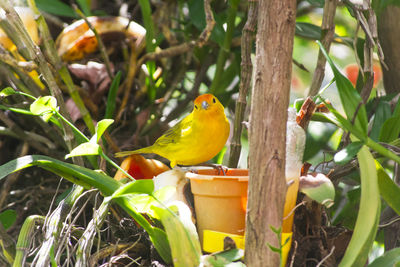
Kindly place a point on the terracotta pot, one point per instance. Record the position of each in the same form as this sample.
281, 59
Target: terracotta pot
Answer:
220, 201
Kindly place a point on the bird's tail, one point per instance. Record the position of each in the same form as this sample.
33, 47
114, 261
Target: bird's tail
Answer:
138, 151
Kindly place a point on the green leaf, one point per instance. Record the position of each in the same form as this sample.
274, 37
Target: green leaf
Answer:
343, 123
390, 130
349, 97
389, 190
8, 218
223, 258
368, 215
85, 149
90, 178
44, 106
277, 231
74, 173
390, 258
298, 103
383, 112
56, 7
348, 153
145, 186
101, 127
319, 188
112, 95
182, 234
160, 240
7, 92
308, 30
157, 236
85, 6
275, 249
317, 3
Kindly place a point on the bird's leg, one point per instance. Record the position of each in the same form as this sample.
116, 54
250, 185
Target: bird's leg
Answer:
219, 167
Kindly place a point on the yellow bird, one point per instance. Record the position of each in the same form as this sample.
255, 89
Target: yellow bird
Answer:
195, 139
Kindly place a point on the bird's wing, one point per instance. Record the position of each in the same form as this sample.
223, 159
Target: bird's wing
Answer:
178, 131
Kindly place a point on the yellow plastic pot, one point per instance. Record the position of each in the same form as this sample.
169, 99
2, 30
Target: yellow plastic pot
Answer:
220, 200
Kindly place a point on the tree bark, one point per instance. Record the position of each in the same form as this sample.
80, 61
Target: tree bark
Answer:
270, 99
389, 37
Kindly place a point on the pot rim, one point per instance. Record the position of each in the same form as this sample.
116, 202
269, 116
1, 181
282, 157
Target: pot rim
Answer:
196, 176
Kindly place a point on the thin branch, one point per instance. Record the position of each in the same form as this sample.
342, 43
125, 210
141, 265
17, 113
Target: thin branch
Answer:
327, 34
30, 51
55, 60
25, 65
326, 257
100, 43
245, 83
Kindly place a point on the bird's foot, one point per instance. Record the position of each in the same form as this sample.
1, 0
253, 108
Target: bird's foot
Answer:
219, 167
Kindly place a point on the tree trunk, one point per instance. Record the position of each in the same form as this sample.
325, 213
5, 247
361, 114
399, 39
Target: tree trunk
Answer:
270, 99
389, 37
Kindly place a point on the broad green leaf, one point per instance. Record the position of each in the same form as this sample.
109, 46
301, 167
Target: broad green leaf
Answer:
85, 149
165, 193
56, 7
348, 153
160, 240
7, 92
319, 188
112, 95
383, 112
157, 236
308, 30
101, 127
390, 258
27, 112
74, 173
7, 218
90, 178
390, 130
349, 97
368, 215
145, 186
346, 125
182, 234
389, 190
44, 106
223, 258
317, 3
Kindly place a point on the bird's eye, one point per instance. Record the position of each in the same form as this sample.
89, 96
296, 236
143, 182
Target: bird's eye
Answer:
196, 106
214, 100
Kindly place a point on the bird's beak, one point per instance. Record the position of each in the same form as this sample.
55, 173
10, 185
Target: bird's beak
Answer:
204, 105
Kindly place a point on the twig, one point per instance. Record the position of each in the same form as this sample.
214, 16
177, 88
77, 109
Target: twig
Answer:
170, 52
300, 65
30, 51
55, 60
327, 33
86, 240
185, 47
100, 43
11, 179
245, 83
389, 223
25, 65
53, 225
24, 83
193, 93
21, 134
326, 257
